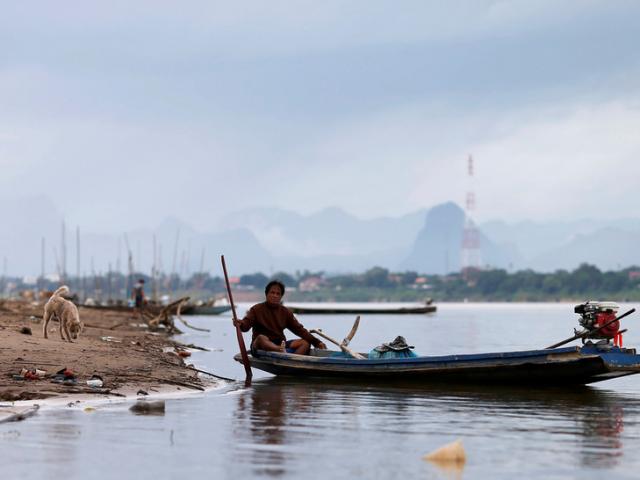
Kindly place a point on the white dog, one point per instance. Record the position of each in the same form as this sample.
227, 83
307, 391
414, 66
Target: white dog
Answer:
66, 312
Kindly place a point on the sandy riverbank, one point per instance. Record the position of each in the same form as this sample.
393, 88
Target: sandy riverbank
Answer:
123, 352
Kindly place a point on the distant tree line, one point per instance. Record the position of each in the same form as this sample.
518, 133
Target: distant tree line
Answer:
375, 284
585, 282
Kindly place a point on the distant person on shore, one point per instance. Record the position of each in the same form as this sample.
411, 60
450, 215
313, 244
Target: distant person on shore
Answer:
139, 299
268, 321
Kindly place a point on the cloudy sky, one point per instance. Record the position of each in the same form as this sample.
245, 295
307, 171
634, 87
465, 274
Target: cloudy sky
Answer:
127, 112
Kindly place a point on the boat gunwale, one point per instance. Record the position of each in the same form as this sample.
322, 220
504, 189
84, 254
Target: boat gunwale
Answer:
291, 358
301, 310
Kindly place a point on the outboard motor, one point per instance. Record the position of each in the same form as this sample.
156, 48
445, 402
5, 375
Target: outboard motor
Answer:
597, 314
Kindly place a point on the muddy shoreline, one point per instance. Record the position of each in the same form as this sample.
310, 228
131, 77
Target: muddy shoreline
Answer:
130, 359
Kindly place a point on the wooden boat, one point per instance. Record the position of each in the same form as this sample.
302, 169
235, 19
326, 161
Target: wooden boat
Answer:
559, 366
350, 309
155, 309
149, 308
190, 309
601, 357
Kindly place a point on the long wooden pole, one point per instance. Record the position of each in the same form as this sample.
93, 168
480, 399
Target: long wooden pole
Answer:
342, 346
243, 349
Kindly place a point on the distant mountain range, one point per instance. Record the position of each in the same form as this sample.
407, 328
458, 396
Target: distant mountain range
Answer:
437, 247
269, 240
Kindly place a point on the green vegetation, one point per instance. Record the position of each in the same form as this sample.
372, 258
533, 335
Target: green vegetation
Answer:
585, 282
379, 284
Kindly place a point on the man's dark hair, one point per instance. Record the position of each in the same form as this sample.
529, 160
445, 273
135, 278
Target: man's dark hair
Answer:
271, 284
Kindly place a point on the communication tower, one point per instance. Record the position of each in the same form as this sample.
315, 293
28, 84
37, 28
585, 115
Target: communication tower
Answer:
470, 254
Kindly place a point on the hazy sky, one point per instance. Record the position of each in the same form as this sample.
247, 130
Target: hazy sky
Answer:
127, 112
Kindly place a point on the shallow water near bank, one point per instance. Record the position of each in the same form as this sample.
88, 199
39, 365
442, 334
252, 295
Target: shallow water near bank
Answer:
287, 428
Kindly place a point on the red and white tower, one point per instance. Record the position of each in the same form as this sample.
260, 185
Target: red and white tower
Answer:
470, 253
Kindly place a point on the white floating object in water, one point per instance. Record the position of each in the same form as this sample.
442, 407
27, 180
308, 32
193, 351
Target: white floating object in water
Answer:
450, 453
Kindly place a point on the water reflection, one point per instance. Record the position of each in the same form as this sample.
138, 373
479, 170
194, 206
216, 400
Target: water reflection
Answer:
264, 415
63, 435
595, 417
277, 419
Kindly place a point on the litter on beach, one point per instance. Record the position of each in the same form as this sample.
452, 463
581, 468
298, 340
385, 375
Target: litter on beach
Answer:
30, 374
111, 339
127, 361
95, 381
65, 377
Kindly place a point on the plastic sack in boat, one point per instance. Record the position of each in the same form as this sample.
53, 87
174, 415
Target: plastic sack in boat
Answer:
396, 349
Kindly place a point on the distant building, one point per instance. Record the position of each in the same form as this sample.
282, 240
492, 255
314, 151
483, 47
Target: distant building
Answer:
421, 283
311, 284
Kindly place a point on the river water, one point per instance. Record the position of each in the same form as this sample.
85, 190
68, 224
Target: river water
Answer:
283, 428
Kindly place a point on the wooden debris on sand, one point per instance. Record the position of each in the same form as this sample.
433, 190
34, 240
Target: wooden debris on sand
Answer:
166, 317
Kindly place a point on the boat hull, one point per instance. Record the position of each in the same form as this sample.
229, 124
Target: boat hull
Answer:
362, 311
205, 309
575, 366
152, 309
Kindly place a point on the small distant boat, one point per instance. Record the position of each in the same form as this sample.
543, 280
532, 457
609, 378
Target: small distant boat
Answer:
190, 309
349, 308
153, 309
213, 306
201, 308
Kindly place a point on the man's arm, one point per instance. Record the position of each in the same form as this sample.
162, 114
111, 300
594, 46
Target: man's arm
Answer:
296, 327
247, 322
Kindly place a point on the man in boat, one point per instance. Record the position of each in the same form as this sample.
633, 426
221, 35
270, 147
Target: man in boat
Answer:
268, 321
